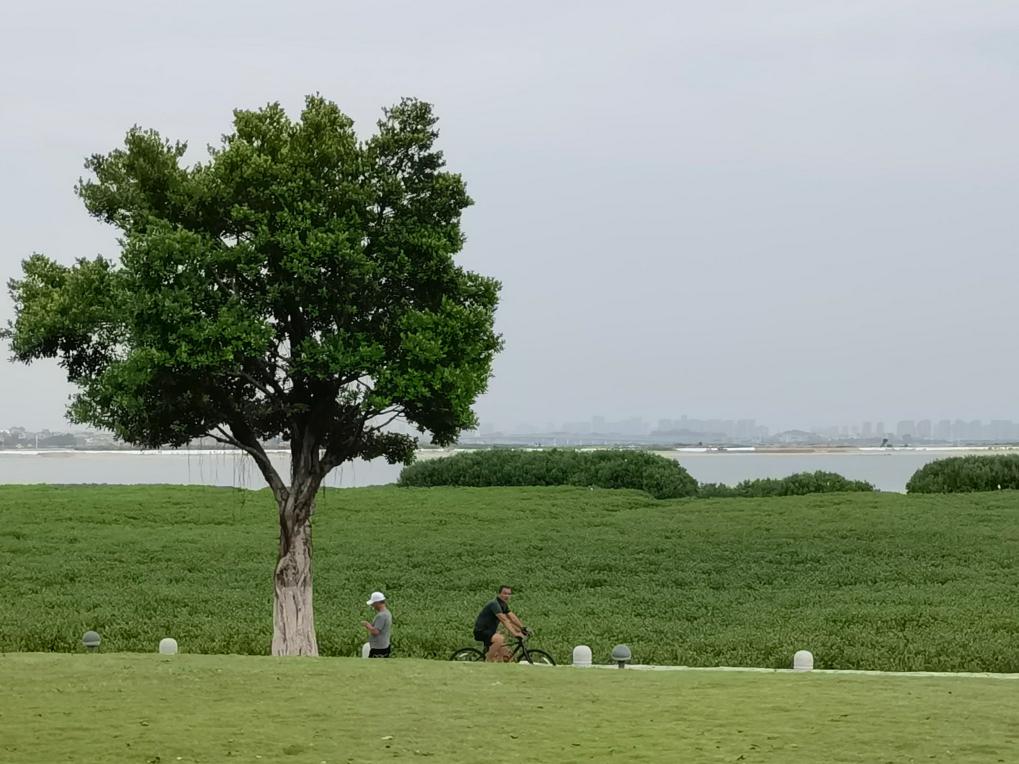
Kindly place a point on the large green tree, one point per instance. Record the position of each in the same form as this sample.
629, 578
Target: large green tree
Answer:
298, 283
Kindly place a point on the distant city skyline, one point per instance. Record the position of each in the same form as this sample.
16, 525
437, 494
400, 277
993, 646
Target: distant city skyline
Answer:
601, 429
746, 428
944, 429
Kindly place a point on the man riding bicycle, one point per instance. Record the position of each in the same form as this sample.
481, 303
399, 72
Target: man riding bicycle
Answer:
487, 625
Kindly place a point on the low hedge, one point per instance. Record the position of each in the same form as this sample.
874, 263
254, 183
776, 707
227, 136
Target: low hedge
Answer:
800, 484
965, 474
661, 477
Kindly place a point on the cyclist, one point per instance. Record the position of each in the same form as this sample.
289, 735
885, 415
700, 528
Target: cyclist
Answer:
487, 625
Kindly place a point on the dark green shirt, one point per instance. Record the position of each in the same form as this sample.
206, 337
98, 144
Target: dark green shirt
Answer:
488, 618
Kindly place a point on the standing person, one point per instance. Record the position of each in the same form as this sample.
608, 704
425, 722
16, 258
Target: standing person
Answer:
379, 628
487, 625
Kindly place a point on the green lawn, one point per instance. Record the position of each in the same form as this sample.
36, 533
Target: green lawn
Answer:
872, 581
144, 709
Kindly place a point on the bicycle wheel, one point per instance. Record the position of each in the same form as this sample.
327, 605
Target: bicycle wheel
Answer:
467, 654
537, 657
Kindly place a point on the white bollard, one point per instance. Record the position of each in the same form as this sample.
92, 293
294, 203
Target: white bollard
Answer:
168, 646
803, 660
582, 656
365, 649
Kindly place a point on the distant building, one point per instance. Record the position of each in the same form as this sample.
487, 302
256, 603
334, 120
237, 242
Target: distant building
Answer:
1002, 431
800, 437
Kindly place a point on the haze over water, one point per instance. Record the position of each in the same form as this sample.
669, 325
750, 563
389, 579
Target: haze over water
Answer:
887, 470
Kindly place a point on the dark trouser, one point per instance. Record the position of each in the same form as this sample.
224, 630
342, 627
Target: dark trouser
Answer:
379, 652
485, 638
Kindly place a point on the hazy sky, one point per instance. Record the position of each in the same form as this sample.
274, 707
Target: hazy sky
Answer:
796, 211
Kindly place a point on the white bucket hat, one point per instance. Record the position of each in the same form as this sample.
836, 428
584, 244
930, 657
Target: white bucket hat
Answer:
376, 597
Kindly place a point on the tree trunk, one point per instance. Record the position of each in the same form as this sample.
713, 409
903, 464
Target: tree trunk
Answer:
293, 622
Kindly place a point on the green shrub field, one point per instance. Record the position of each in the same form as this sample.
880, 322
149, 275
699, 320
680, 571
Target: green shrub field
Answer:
966, 474
799, 484
864, 580
659, 476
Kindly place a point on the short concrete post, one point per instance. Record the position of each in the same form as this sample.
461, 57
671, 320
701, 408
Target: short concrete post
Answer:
582, 656
365, 649
168, 646
803, 660
91, 641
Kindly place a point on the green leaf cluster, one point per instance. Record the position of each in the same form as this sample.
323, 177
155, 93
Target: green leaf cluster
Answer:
964, 474
798, 484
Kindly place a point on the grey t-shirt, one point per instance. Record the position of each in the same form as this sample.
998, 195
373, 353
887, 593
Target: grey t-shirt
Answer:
383, 621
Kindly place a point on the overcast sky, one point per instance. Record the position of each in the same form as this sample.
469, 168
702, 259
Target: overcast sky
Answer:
804, 212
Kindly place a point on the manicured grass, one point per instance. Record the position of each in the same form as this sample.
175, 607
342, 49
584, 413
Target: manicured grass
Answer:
142, 709
130, 708
870, 581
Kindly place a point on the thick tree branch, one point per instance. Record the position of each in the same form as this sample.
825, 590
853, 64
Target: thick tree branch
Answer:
336, 455
392, 413
251, 446
271, 391
272, 370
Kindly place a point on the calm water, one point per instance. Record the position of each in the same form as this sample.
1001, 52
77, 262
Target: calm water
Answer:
888, 470
230, 468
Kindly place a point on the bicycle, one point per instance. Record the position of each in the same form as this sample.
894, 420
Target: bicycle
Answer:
521, 653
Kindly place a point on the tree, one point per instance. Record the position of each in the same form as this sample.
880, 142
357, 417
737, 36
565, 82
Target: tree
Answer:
299, 283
